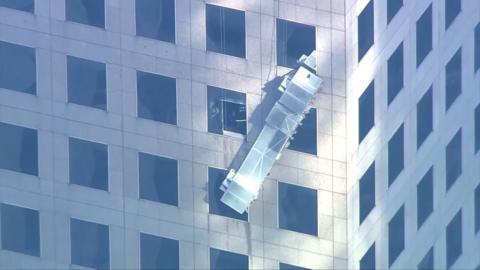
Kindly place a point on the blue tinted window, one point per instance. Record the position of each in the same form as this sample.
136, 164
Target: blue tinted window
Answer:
425, 197
395, 155
89, 244
477, 129
452, 9
155, 19
158, 177
215, 179
367, 192
427, 262
476, 43
477, 209
393, 6
20, 230
18, 69
453, 159
365, 30
395, 73
225, 30
453, 79
225, 260
424, 35
158, 252
368, 260
284, 266
87, 83
396, 236
293, 40
366, 111
88, 163
297, 208
454, 239
18, 149
226, 111
22, 5
305, 140
424, 117
90, 12
156, 97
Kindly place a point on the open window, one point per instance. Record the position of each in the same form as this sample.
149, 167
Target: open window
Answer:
227, 112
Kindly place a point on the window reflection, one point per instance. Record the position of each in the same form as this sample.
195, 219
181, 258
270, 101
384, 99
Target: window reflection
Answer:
88, 164
225, 260
158, 177
18, 149
89, 244
89, 12
20, 230
18, 69
158, 252
155, 19
297, 208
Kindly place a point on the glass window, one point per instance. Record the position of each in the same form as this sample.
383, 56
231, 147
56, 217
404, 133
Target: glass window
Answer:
453, 79
305, 140
158, 252
453, 158
454, 239
22, 5
297, 208
366, 111
367, 192
393, 6
477, 47
395, 73
396, 236
157, 97
293, 40
395, 155
227, 111
368, 260
158, 177
217, 207
424, 35
226, 260
87, 83
89, 12
452, 9
365, 30
424, 117
18, 69
88, 163
225, 30
284, 266
477, 209
155, 19
427, 262
477, 129
18, 149
89, 244
20, 230
425, 198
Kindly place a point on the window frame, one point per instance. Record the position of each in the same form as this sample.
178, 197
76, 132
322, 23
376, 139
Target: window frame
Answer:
370, 39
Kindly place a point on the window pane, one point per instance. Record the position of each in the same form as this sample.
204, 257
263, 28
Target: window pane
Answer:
18, 68
365, 30
367, 192
89, 244
425, 198
452, 9
18, 149
22, 5
366, 111
453, 158
453, 79
477, 47
226, 111
368, 260
234, 117
87, 83
424, 35
214, 28
158, 177
424, 117
225, 260
305, 140
454, 239
155, 19
158, 252
395, 155
217, 207
427, 261
20, 229
396, 236
395, 73
477, 209
90, 12
157, 97
297, 208
293, 40
393, 6
477, 129
284, 266
88, 164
